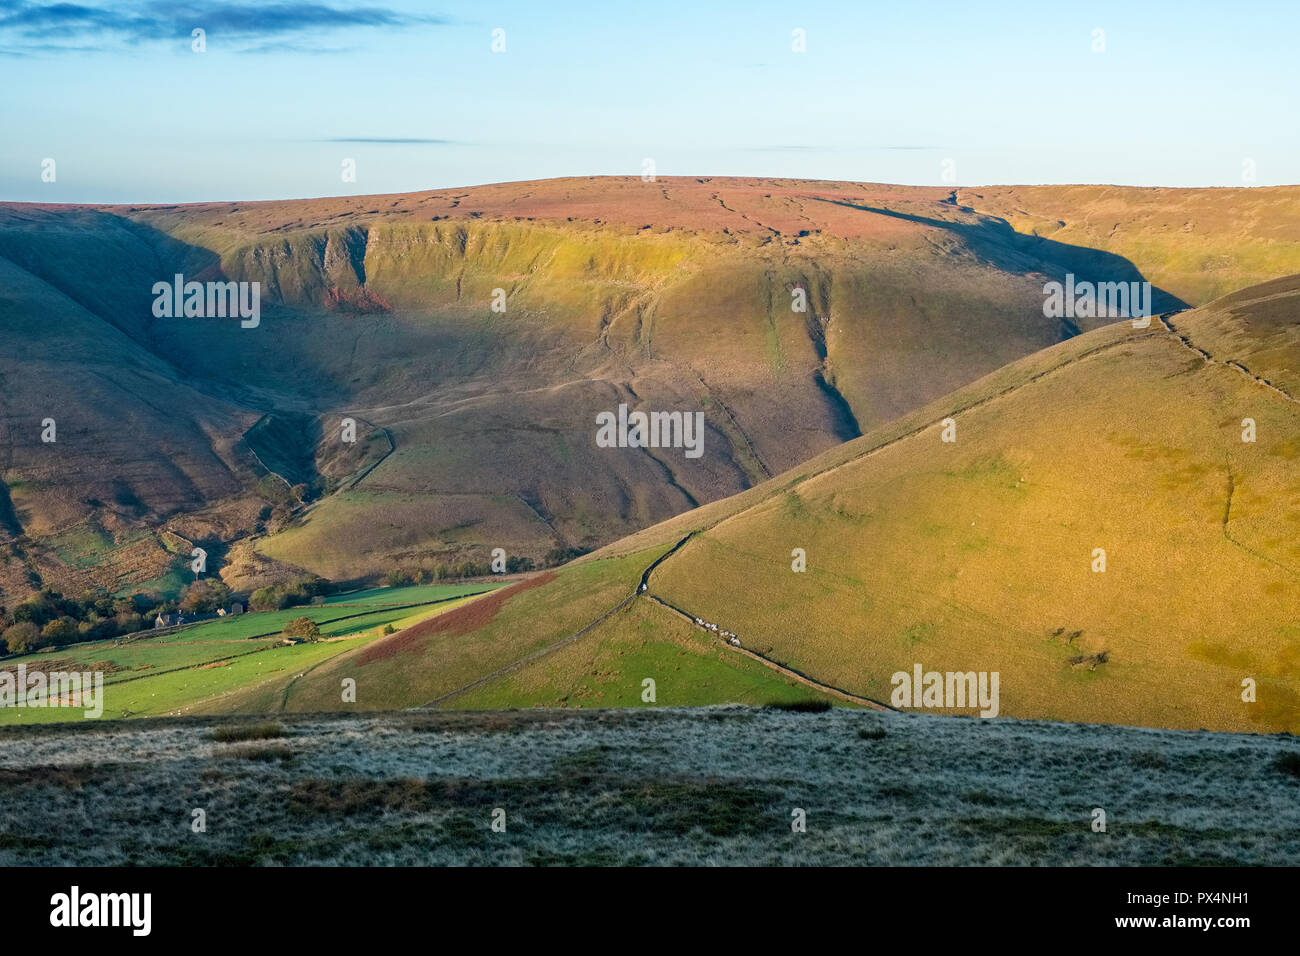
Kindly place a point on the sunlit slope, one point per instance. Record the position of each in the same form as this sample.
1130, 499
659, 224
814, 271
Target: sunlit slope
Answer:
242, 656
979, 555
1254, 329
1195, 243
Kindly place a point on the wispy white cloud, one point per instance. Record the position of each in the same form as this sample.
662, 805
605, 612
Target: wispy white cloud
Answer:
34, 28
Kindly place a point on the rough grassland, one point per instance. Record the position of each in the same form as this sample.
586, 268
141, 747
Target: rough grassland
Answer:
704, 787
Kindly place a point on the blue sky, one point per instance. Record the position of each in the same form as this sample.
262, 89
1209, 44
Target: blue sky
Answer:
1184, 94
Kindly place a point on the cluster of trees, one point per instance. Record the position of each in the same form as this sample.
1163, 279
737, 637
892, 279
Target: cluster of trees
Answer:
557, 556
474, 569
299, 590
50, 619
204, 596
451, 572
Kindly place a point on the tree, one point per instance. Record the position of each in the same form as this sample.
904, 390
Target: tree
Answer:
306, 586
62, 630
205, 595
22, 637
32, 610
269, 598
302, 629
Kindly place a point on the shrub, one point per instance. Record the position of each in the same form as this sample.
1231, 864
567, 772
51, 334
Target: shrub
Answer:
299, 590
60, 631
268, 598
234, 733
1288, 762
261, 752
22, 637
810, 706
96, 629
302, 629
561, 555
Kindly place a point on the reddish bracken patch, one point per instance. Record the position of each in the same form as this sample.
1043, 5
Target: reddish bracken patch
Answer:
460, 621
357, 301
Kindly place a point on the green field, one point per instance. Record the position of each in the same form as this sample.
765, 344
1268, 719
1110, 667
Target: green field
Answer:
338, 607
173, 673
411, 594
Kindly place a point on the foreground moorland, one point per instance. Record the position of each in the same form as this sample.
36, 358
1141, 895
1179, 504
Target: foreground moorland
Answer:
701, 786
982, 554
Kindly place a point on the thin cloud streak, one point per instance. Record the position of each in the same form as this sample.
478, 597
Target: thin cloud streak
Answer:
72, 27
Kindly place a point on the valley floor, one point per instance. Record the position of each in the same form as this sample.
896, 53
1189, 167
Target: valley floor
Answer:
635, 787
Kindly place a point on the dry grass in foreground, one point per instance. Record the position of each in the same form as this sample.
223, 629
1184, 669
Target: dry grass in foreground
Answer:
669, 787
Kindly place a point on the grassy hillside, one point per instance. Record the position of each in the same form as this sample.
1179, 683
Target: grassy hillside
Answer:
475, 428
979, 554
